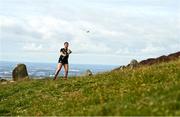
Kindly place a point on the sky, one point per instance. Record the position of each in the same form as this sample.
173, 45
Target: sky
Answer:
119, 30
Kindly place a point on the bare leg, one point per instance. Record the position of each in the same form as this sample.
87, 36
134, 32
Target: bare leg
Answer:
66, 68
59, 66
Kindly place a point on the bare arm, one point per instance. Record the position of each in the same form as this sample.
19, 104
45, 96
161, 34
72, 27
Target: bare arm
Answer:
61, 53
69, 51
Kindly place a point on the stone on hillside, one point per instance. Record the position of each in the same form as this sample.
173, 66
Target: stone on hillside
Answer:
88, 73
12, 81
3, 80
20, 72
133, 63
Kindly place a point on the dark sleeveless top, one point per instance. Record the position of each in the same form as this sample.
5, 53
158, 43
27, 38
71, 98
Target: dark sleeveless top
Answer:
63, 59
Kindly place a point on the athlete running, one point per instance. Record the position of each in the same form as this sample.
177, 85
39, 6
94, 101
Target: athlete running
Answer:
63, 60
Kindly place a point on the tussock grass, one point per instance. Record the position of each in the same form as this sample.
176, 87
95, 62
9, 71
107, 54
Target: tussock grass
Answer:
148, 90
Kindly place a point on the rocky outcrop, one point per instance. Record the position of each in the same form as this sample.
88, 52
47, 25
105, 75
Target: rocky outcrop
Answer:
134, 63
161, 59
20, 72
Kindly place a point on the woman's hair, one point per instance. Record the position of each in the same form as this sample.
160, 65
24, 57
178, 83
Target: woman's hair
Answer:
66, 43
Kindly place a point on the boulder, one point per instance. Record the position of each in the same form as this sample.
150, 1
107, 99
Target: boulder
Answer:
133, 63
2, 80
20, 72
88, 73
12, 81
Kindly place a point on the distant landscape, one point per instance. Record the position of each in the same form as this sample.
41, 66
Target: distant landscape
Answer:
41, 70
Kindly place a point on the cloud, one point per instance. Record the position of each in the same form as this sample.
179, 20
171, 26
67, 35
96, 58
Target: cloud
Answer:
51, 33
33, 47
121, 28
152, 49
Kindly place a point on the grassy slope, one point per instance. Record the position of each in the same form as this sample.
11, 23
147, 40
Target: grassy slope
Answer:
151, 90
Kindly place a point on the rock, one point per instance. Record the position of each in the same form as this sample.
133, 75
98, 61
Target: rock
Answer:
20, 72
164, 58
133, 63
11, 81
88, 73
149, 61
3, 80
122, 67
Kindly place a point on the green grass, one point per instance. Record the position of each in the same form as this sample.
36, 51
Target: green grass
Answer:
151, 90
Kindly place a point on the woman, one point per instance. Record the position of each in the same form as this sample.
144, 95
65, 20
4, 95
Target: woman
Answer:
63, 60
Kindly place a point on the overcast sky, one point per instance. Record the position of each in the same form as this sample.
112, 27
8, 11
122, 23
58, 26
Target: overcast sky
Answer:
120, 30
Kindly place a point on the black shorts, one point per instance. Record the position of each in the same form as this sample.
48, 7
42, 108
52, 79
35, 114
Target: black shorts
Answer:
63, 61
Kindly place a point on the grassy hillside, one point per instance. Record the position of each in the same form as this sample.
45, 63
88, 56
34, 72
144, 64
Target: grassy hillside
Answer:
152, 90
